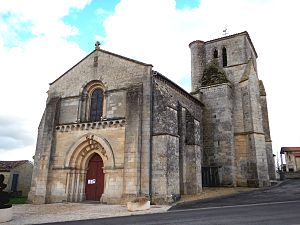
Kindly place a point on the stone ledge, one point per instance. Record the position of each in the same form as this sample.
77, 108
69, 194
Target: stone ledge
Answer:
91, 125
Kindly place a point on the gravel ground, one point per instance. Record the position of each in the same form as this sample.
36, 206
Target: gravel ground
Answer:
59, 212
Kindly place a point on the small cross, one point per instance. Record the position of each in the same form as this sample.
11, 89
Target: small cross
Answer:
225, 31
97, 45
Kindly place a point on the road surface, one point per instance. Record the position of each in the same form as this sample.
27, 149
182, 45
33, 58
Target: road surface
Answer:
275, 206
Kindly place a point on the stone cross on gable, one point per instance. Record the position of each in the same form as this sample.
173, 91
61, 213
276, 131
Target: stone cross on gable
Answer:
97, 45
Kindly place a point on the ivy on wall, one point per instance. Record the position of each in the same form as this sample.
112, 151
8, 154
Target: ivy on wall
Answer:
213, 75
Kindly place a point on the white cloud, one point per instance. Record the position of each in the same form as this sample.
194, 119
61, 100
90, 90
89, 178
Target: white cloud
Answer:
28, 66
45, 16
156, 32
25, 153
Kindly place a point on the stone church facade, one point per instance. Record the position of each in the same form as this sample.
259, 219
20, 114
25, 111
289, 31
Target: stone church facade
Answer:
114, 129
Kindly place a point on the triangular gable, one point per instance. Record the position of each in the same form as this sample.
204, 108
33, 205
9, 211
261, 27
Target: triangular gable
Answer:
107, 52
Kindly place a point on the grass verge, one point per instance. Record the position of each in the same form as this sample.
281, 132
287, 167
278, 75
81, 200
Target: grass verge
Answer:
17, 200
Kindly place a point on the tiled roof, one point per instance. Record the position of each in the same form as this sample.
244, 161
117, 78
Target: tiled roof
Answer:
289, 149
6, 166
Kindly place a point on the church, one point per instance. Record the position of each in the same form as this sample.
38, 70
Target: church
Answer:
114, 129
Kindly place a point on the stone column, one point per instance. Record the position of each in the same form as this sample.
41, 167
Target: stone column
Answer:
266, 127
133, 137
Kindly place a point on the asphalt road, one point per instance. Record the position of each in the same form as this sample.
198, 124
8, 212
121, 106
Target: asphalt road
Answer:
289, 190
274, 206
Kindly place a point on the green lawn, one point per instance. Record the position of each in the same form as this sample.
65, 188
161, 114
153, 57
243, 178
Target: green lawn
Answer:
17, 200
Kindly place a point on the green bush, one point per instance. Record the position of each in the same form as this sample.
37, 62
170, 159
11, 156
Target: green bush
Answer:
17, 200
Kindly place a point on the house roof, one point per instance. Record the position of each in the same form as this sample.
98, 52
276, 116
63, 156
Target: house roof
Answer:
6, 166
290, 149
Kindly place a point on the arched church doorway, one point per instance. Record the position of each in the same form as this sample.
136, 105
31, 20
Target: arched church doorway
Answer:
94, 185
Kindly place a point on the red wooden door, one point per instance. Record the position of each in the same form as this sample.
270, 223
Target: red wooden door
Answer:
94, 185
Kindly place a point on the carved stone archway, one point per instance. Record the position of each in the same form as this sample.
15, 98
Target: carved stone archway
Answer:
77, 159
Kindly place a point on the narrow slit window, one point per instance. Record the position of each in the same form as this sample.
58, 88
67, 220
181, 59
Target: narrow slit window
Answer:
216, 53
224, 56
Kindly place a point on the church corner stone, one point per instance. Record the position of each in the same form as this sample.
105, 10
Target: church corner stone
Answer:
146, 136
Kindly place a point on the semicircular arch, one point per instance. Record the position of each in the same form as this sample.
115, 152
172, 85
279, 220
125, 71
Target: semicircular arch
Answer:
80, 152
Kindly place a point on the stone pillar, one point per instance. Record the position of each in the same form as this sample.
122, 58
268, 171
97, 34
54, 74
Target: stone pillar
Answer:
113, 189
266, 127
256, 157
165, 168
83, 107
193, 182
182, 159
192, 156
133, 144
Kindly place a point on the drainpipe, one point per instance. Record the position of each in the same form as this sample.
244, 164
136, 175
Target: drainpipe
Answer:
151, 135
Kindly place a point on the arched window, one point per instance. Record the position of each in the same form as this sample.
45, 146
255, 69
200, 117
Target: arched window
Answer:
216, 53
92, 102
96, 105
224, 56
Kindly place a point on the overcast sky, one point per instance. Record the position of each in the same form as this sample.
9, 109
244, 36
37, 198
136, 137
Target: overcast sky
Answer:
41, 39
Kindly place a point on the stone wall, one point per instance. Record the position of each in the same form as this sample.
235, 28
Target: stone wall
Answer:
219, 131
63, 167
177, 141
24, 179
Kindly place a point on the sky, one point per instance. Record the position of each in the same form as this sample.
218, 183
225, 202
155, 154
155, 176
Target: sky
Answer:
41, 39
